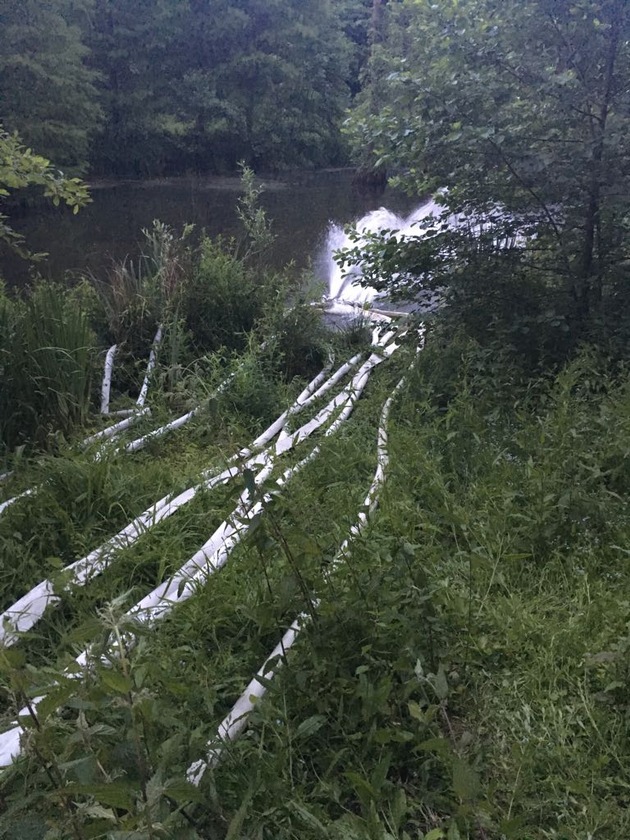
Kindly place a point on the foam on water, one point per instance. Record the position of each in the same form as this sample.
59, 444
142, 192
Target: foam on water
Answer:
345, 292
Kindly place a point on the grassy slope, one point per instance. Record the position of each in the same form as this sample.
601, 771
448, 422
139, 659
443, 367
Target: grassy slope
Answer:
520, 500
467, 672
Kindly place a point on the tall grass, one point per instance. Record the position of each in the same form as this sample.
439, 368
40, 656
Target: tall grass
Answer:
466, 676
46, 366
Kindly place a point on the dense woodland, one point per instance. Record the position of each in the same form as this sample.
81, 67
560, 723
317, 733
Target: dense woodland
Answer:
465, 669
133, 89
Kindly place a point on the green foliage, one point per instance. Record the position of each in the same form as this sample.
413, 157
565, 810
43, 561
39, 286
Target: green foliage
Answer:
136, 798
255, 393
223, 299
535, 140
207, 83
208, 301
156, 87
131, 49
297, 339
46, 366
466, 673
496, 292
46, 90
264, 82
253, 217
138, 296
49, 532
355, 18
21, 168
519, 513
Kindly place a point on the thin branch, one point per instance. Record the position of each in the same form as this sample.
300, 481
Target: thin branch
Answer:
539, 201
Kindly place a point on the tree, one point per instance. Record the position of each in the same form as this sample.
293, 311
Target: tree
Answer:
47, 92
355, 16
370, 172
132, 51
519, 104
21, 168
143, 87
202, 84
263, 80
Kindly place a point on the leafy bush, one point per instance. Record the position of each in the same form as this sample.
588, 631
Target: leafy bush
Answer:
223, 299
137, 296
297, 341
254, 392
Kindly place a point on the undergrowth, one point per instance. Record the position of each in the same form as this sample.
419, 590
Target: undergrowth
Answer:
463, 672
215, 301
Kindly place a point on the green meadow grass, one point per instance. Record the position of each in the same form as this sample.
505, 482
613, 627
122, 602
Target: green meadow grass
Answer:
465, 671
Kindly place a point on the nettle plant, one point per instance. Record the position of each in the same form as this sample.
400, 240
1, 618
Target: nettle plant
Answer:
110, 764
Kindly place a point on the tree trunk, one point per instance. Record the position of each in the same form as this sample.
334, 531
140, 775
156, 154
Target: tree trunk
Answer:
590, 285
376, 26
369, 177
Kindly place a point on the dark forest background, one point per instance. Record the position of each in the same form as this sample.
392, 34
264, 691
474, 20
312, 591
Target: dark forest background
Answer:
141, 88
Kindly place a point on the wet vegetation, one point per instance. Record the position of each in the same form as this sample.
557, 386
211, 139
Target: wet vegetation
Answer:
461, 670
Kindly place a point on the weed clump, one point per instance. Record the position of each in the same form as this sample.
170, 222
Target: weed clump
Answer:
47, 357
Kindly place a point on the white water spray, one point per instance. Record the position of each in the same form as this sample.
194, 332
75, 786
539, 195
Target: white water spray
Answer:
346, 294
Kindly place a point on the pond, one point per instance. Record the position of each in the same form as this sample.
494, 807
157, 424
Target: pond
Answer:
302, 206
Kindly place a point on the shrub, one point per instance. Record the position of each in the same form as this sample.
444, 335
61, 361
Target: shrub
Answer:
223, 299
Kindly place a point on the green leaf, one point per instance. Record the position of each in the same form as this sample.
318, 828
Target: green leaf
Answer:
54, 699
11, 659
465, 780
310, 726
438, 745
97, 812
348, 827
399, 808
236, 823
183, 792
512, 828
116, 794
362, 787
453, 832
249, 480
116, 681
308, 818
440, 684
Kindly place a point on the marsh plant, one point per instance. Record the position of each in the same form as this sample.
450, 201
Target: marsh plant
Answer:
47, 356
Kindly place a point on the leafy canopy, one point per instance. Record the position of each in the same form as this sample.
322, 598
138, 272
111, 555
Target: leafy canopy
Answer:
521, 105
47, 91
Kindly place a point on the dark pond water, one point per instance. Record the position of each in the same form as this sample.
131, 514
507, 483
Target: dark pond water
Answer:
302, 208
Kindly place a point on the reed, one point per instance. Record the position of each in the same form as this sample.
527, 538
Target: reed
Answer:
46, 366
